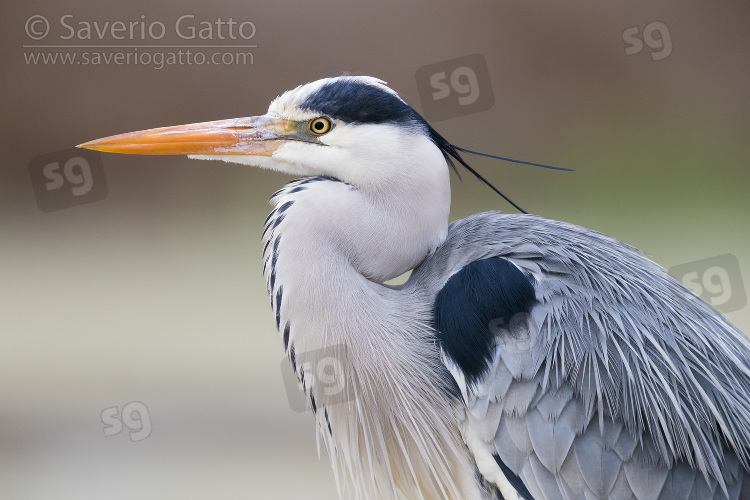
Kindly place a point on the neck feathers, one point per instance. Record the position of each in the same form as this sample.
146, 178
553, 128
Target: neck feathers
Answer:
332, 313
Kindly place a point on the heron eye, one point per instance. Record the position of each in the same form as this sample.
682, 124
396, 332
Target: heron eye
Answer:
320, 126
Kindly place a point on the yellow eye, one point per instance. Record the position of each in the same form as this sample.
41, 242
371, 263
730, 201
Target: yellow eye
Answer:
320, 126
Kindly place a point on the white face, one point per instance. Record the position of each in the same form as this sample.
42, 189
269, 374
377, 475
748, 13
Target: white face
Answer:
363, 155
366, 155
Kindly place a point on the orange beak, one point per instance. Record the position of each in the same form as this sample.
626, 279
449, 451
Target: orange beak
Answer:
255, 135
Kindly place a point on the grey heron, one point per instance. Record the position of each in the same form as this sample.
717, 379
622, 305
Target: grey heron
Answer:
523, 358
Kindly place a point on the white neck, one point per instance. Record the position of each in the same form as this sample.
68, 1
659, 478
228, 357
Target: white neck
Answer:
333, 246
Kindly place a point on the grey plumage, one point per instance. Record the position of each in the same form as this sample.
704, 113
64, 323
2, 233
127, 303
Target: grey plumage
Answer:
639, 389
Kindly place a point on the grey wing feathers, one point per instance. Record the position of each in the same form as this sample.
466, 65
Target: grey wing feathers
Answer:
559, 453
625, 384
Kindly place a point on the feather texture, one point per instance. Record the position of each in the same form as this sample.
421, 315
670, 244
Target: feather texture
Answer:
634, 380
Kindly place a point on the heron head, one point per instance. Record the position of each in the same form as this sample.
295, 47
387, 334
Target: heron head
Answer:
353, 128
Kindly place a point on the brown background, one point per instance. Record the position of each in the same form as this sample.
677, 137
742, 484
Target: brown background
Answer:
155, 293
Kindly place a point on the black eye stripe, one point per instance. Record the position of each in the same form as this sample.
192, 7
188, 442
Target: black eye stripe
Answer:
353, 101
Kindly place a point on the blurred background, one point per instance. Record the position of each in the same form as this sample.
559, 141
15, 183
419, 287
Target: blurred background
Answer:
138, 354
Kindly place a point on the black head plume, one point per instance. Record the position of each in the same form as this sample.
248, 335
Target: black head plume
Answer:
353, 101
453, 152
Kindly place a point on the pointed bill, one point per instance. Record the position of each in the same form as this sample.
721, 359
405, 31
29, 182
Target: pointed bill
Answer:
255, 135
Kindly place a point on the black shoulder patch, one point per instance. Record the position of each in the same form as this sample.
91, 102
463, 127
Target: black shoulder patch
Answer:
353, 101
477, 294
513, 479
